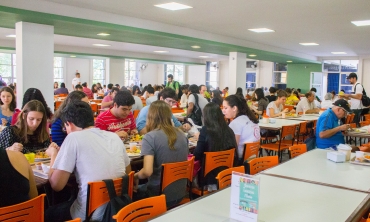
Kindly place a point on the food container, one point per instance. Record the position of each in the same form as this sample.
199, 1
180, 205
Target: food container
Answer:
336, 157
265, 119
133, 147
30, 157
45, 168
38, 166
346, 150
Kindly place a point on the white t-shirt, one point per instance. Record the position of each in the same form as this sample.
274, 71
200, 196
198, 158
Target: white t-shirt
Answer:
76, 81
151, 99
247, 130
201, 101
356, 103
184, 101
138, 104
326, 104
305, 104
276, 109
92, 155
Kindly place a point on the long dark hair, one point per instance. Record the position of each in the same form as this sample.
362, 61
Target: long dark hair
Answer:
93, 88
241, 104
35, 94
216, 94
260, 94
221, 136
13, 103
135, 89
71, 98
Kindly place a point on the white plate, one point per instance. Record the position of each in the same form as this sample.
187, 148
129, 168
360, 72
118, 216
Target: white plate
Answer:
41, 159
133, 154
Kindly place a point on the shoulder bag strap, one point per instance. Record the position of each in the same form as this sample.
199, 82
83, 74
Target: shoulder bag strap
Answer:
110, 187
125, 184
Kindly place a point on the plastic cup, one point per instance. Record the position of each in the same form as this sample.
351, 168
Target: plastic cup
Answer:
133, 146
346, 151
359, 154
30, 157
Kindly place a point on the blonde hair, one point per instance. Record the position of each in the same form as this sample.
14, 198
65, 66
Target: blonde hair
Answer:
159, 118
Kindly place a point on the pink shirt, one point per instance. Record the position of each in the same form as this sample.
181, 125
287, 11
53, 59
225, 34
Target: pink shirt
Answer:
107, 121
88, 93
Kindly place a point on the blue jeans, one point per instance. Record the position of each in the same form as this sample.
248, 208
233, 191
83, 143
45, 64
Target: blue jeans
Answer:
59, 212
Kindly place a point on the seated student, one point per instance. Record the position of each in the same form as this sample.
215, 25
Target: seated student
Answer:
18, 183
58, 132
328, 101
88, 152
29, 134
138, 103
169, 96
7, 105
272, 97
78, 87
87, 91
216, 97
307, 104
163, 143
244, 125
61, 90
119, 119
262, 102
291, 98
328, 130
214, 136
275, 108
151, 97
192, 98
33, 94
107, 101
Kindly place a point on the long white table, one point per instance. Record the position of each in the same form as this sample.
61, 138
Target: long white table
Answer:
280, 200
313, 166
279, 123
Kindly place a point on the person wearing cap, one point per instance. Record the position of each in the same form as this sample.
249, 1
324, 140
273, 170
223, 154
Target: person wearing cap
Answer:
355, 96
307, 104
328, 130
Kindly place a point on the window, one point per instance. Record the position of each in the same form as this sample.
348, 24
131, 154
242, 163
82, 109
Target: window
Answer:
7, 67
279, 75
250, 80
176, 70
338, 70
211, 74
131, 73
99, 71
58, 70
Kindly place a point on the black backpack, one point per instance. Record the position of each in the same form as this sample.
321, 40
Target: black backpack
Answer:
196, 114
365, 100
116, 203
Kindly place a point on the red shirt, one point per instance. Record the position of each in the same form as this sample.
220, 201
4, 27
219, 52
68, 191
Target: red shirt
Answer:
88, 93
107, 121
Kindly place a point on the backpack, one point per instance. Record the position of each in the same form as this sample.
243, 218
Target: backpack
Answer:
116, 203
365, 100
196, 114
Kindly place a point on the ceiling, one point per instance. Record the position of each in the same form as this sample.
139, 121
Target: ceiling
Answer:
219, 27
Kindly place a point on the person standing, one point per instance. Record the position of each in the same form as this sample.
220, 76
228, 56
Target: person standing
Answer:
76, 80
356, 96
173, 84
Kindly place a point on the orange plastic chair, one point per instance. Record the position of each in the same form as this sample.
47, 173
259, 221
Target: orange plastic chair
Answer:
31, 210
367, 117
96, 100
262, 163
350, 118
211, 161
297, 150
282, 144
94, 108
142, 210
75, 220
97, 193
224, 177
364, 123
172, 172
177, 110
57, 104
251, 149
290, 107
136, 113
302, 132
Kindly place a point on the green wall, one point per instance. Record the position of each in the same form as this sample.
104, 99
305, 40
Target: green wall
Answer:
299, 75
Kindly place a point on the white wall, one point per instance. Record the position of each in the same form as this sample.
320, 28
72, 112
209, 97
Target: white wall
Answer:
83, 66
195, 74
116, 71
150, 74
264, 70
366, 75
160, 75
223, 72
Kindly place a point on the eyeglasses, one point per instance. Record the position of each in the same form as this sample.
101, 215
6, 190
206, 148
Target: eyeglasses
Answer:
170, 101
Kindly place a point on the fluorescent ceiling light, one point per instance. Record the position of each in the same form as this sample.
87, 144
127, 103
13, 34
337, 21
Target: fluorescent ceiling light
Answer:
195, 47
252, 55
102, 45
103, 34
308, 43
361, 23
261, 30
289, 61
203, 56
338, 53
10, 36
73, 56
173, 6
161, 51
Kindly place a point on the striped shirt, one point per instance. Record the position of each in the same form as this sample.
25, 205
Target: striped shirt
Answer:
107, 121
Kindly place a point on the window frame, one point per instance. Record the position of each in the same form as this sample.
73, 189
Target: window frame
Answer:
102, 81
210, 72
61, 68
12, 78
175, 76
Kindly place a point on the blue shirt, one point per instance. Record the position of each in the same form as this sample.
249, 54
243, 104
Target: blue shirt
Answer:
141, 119
57, 133
328, 120
7, 118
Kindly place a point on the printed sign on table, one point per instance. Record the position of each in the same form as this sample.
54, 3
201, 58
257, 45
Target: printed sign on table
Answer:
244, 197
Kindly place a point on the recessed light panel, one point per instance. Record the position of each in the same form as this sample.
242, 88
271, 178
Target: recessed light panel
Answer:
252, 55
73, 56
289, 61
361, 23
308, 43
103, 34
195, 47
260, 30
338, 53
101, 45
10, 36
173, 6
161, 51
203, 56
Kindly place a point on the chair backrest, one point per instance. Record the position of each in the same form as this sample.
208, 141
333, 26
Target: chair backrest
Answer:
97, 193
350, 118
31, 210
177, 110
75, 220
290, 107
353, 125
94, 107
224, 177
213, 160
262, 163
251, 149
172, 172
57, 104
364, 123
142, 210
303, 128
367, 117
136, 113
297, 150
288, 130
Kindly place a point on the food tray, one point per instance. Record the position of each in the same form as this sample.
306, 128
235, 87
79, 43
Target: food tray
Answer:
364, 163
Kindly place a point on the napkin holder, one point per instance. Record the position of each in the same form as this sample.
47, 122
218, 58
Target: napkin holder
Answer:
336, 157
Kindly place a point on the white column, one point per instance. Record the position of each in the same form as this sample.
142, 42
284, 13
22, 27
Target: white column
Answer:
35, 60
237, 70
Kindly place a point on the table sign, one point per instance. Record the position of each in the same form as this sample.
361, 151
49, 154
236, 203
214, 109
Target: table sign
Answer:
244, 197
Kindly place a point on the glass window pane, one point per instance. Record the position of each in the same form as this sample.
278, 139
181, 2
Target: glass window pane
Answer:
132, 65
280, 67
170, 69
279, 77
331, 65
343, 79
347, 89
14, 59
316, 78
5, 70
349, 65
251, 77
5, 59
213, 67
213, 76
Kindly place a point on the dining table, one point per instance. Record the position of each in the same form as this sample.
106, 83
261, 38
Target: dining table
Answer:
277, 124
